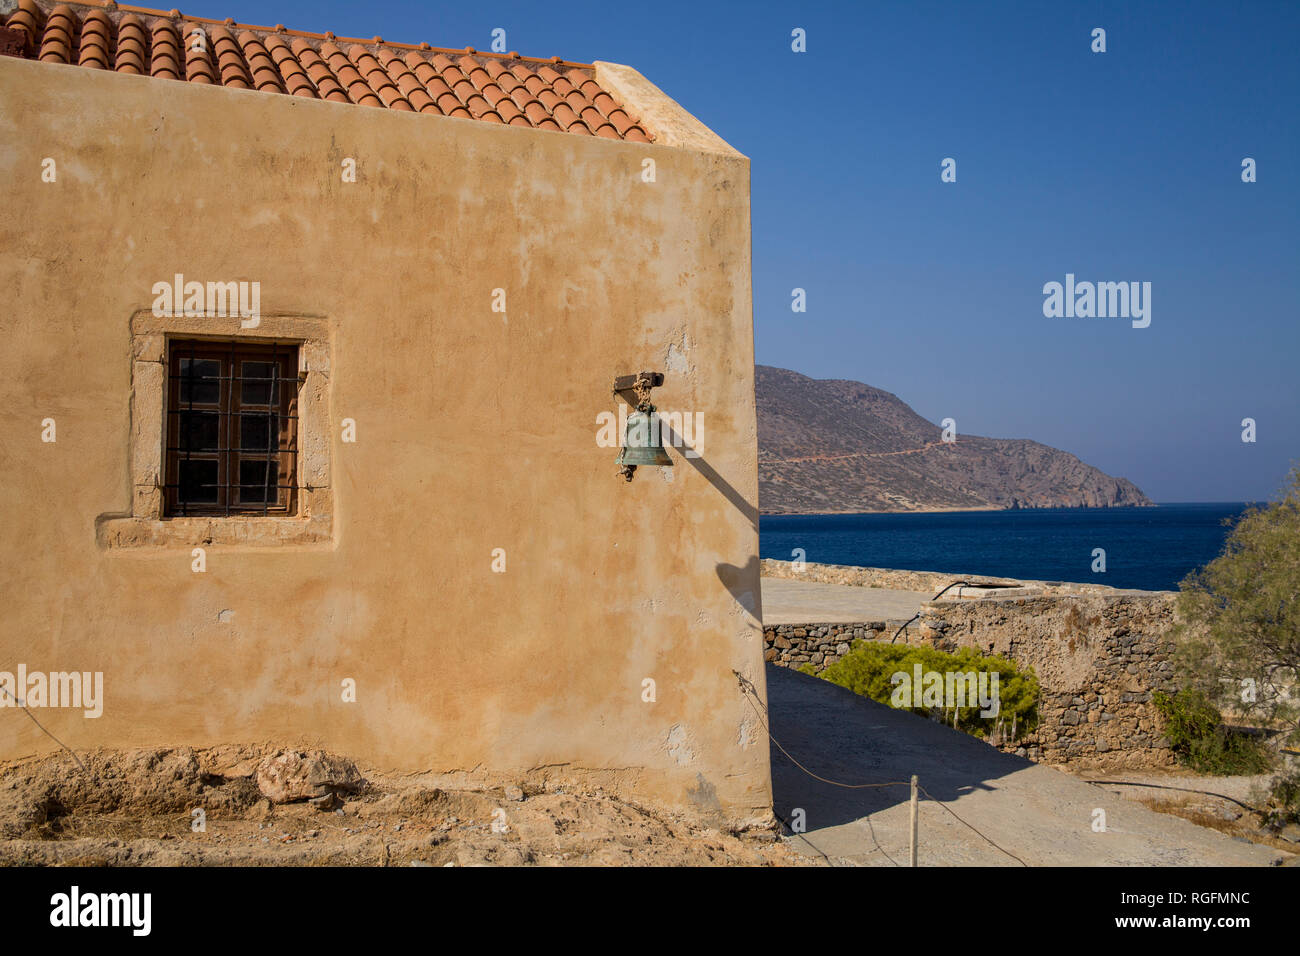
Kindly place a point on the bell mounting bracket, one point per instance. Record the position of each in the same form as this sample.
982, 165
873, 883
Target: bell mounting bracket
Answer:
638, 386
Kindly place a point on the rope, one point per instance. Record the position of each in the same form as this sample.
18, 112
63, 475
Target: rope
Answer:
872, 830
1161, 786
747, 687
972, 829
789, 826
833, 783
42, 729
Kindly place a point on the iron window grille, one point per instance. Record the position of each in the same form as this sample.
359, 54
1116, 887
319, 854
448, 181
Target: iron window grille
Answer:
232, 428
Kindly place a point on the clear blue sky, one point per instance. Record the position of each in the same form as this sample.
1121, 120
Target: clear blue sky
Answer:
1122, 166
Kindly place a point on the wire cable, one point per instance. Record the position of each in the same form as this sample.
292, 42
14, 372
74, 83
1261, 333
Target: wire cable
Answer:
918, 613
748, 689
972, 829
42, 728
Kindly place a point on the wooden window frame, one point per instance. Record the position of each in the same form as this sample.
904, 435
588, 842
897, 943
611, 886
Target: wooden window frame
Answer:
142, 522
231, 410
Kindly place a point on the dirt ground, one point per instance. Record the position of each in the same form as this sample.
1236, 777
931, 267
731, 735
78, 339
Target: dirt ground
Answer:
1224, 803
135, 808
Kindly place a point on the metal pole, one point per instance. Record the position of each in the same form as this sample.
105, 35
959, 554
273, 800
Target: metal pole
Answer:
912, 854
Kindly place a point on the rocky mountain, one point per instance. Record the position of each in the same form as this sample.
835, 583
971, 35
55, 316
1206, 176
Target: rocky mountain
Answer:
834, 446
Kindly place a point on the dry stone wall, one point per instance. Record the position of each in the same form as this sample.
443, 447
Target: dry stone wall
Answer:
1099, 655
793, 645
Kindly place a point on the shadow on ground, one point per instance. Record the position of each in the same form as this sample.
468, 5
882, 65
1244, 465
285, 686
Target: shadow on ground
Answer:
839, 735
1012, 811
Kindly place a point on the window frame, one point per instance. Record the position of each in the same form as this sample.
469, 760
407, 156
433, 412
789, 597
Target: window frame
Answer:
138, 522
231, 357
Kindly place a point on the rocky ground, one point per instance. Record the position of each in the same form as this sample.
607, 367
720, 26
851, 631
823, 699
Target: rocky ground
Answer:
265, 806
1228, 804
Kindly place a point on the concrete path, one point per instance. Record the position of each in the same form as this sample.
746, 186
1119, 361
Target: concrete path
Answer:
1043, 816
809, 602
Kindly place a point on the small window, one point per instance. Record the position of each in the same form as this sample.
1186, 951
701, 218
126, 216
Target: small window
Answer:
232, 417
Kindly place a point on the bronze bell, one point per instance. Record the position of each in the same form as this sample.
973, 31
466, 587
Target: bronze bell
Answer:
644, 441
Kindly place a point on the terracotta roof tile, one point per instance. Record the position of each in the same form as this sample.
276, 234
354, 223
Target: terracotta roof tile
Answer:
327, 84
622, 122
548, 99
495, 88
295, 78
230, 60
57, 42
605, 103
590, 88
495, 69
443, 97
535, 112
439, 93
495, 95
354, 84
377, 78
531, 81
601, 126
563, 114
265, 76
165, 50
132, 46
512, 114
96, 40
199, 66
470, 66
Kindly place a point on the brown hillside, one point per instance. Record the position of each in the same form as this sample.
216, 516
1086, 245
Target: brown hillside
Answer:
838, 446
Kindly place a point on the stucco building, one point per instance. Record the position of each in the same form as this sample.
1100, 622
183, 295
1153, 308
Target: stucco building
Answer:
300, 430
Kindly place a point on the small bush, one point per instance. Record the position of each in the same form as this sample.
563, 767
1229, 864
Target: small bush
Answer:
869, 668
1200, 739
1283, 799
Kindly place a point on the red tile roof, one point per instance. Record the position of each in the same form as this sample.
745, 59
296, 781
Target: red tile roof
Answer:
495, 88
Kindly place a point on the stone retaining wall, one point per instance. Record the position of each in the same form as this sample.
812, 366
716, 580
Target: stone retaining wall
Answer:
793, 645
1099, 655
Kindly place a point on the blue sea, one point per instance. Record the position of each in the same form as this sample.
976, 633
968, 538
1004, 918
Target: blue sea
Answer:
1148, 548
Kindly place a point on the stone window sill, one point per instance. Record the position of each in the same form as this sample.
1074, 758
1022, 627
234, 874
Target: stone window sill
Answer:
240, 530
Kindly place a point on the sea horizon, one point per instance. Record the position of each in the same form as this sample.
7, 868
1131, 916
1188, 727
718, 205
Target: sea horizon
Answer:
1149, 548
936, 511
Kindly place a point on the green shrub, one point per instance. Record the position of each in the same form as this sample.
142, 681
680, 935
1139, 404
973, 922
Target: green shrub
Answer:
1283, 805
1200, 739
869, 668
1239, 639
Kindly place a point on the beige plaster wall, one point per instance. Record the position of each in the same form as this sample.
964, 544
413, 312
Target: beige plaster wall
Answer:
475, 431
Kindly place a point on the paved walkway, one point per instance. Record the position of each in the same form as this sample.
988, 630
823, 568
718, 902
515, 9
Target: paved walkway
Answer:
1043, 816
809, 602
